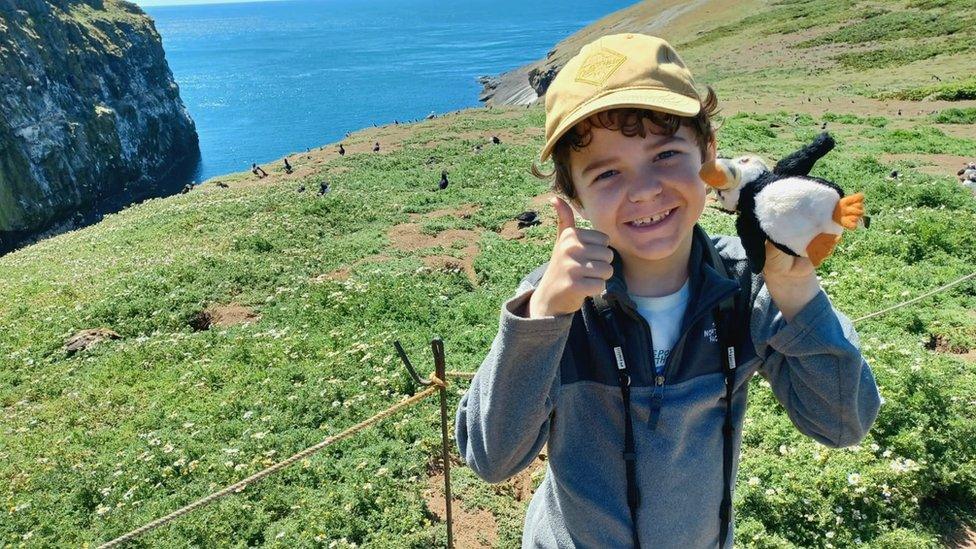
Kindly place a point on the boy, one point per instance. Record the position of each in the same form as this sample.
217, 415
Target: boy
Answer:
622, 351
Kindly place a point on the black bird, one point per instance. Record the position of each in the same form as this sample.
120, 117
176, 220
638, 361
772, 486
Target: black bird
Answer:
342, 150
495, 140
287, 166
443, 182
300, 189
376, 147
899, 112
222, 185
823, 126
186, 188
323, 188
894, 174
527, 219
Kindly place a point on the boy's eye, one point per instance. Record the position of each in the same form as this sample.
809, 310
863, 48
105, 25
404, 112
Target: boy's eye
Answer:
667, 154
605, 175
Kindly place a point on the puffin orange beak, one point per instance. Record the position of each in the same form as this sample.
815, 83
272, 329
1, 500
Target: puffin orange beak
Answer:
720, 174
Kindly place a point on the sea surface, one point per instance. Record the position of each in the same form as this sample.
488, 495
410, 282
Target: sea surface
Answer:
265, 79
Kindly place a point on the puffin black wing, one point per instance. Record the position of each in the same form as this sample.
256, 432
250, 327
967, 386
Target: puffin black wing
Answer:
802, 161
753, 241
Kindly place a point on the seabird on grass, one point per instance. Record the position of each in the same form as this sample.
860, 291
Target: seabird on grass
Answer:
342, 150
527, 219
376, 147
442, 184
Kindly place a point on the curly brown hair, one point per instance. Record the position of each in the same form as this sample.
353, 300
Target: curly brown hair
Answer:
629, 122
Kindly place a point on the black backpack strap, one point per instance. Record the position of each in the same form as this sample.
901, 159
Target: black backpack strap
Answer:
729, 336
615, 338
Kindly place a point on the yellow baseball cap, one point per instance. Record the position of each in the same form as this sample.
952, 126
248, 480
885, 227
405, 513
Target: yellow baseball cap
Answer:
618, 71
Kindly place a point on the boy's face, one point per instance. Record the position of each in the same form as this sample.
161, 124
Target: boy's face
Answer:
625, 184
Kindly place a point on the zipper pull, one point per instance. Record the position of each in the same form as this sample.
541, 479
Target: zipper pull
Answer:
655, 412
656, 401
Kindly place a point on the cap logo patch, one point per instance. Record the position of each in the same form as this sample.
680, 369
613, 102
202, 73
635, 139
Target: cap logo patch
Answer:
599, 66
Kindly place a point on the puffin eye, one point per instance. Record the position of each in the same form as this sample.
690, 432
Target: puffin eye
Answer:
743, 161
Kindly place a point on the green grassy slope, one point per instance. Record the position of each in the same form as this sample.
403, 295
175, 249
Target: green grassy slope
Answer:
100, 442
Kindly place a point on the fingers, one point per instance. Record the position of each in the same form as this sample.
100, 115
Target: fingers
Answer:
590, 236
598, 270
565, 218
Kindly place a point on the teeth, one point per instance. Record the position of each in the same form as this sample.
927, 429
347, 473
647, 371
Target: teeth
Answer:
648, 220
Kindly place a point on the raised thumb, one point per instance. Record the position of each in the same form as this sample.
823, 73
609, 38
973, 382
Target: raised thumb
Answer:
565, 218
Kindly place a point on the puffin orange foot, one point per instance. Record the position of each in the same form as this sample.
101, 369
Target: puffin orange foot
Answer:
821, 247
849, 210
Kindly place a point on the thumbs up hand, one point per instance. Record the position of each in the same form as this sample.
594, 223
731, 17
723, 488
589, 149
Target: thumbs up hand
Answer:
579, 267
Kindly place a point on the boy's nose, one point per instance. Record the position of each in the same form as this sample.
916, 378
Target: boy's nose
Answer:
646, 188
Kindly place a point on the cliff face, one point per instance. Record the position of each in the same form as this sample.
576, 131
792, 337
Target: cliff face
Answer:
88, 110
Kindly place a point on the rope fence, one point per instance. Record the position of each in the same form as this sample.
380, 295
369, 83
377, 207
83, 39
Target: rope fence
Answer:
917, 299
435, 384
239, 486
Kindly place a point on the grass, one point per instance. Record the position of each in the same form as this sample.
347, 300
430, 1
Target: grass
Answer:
955, 116
892, 25
164, 415
99, 442
895, 56
959, 90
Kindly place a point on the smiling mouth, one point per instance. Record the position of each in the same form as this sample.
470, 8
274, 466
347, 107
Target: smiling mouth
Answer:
652, 220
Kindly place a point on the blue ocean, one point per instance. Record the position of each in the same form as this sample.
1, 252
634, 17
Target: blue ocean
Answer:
265, 79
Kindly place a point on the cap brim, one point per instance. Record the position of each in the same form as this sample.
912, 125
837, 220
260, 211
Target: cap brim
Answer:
643, 98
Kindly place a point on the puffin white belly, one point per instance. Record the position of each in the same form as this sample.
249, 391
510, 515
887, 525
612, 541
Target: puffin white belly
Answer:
794, 210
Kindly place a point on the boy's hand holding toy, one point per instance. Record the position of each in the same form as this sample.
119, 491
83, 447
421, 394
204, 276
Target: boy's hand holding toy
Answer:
800, 215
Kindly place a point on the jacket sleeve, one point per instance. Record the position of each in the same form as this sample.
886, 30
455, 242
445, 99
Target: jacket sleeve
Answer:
503, 418
816, 370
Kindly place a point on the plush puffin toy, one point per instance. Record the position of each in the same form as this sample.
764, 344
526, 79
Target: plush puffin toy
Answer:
801, 215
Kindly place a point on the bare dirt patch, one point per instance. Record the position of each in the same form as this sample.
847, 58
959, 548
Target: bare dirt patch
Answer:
524, 483
449, 264
472, 527
541, 201
940, 344
962, 538
410, 237
463, 211
223, 316
478, 527
965, 131
342, 273
856, 105
933, 164
511, 230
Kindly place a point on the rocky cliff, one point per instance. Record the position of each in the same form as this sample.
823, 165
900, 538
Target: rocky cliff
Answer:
88, 111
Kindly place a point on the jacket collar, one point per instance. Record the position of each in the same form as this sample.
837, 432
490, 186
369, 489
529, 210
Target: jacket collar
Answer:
707, 286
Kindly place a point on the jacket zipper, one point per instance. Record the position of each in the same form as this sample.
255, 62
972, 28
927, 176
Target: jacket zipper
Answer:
657, 397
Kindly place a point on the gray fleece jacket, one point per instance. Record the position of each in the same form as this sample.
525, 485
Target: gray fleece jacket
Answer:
553, 381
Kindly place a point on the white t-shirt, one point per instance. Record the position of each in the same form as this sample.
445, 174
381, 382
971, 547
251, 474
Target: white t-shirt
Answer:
664, 315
